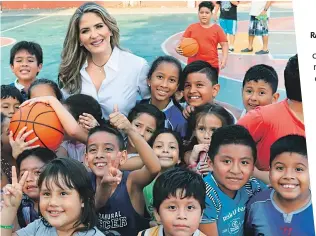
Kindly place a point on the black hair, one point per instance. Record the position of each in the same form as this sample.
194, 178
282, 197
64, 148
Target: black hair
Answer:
201, 111
202, 67
51, 83
175, 134
8, 91
292, 80
150, 110
174, 61
207, 4
32, 48
291, 143
70, 173
105, 126
262, 72
82, 103
188, 182
231, 134
45, 155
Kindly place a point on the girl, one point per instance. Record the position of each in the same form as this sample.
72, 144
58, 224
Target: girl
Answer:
87, 112
44, 87
164, 79
66, 201
32, 161
93, 62
145, 119
202, 123
167, 146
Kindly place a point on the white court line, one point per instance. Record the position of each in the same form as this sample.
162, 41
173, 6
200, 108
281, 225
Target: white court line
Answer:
18, 26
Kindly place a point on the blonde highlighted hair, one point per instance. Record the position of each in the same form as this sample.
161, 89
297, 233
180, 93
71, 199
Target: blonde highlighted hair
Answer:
73, 55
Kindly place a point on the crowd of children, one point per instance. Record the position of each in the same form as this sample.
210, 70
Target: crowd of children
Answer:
171, 165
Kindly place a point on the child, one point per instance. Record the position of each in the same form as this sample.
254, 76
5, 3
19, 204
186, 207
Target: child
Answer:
229, 187
145, 119
44, 87
167, 145
227, 19
163, 79
200, 86
119, 196
11, 99
87, 112
32, 161
6, 152
66, 202
203, 122
208, 36
259, 87
26, 60
179, 201
287, 208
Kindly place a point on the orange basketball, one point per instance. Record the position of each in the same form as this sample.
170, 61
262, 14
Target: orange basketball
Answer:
42, 119
189, 46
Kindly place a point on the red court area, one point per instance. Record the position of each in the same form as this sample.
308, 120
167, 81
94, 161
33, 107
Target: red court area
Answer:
281, 29
4, 41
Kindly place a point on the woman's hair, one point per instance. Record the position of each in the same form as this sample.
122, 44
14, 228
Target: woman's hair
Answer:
175, 62
150, 110
82, 103
73, 55
175, 135
201, 111
48, 82
45, 155
72, 174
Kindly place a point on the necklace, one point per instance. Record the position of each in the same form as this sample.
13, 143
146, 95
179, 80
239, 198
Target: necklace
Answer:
100, 67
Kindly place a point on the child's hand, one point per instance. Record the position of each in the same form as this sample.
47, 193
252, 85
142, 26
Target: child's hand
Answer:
187, 111
12, 193
119, 121
45, 99
19, 145
179, 50
203, 168
196, 151
87, 121
223, 64
112, 176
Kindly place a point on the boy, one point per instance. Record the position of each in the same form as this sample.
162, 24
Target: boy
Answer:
208, 36
119, 196
201, 87
287, 208
26, 60
179, 201
259, 87
11, 99
228, 188
228, 19
269, 123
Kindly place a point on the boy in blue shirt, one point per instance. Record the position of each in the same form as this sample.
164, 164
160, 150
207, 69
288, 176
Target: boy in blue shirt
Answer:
287, 208
228, 188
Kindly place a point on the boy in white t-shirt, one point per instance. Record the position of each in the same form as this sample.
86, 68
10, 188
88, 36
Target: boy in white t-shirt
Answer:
258, 26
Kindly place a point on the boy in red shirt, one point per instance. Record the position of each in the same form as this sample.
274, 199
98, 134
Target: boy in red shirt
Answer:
208, 36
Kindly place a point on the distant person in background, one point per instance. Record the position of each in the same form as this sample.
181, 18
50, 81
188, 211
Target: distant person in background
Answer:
26, 61
258, 26
208, 36
227, 19
94, 64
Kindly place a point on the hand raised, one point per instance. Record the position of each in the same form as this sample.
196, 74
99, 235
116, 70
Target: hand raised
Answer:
119, 121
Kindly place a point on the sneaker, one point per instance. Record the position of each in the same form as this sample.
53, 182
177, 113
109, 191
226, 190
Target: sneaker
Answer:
219, 48
262, 52
231, 50
247, 50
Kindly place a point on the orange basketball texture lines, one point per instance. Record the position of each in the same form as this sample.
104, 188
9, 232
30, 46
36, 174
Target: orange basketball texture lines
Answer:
189, 46
44, 122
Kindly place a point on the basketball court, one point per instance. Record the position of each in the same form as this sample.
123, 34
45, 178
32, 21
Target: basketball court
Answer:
149, 36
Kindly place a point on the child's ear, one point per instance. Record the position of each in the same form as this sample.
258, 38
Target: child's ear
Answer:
157, 216
86, 159
275, 97
215, 90
148, 82
123, 158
